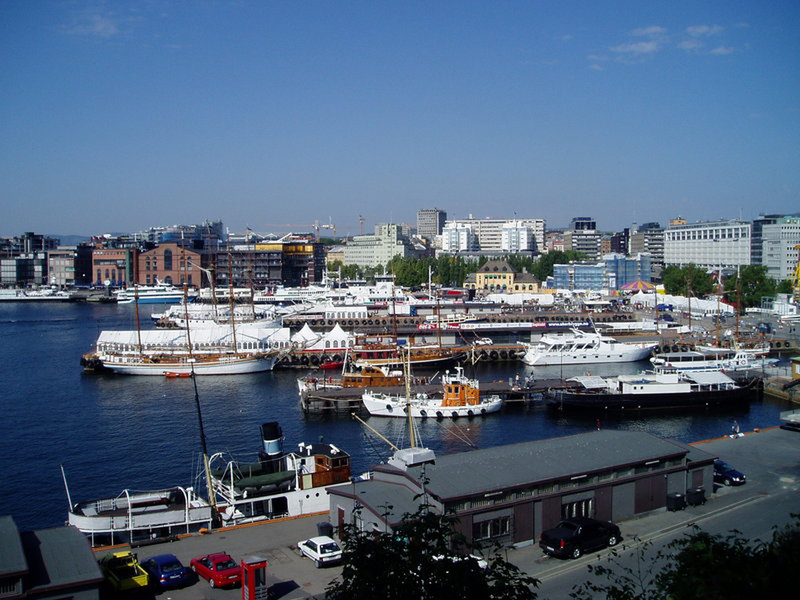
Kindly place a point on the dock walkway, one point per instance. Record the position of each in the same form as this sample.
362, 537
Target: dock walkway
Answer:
324, 400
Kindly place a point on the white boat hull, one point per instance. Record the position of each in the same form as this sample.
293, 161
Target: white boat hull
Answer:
615, 353
422, 406
222, 366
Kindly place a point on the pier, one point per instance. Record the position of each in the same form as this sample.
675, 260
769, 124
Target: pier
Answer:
334, 400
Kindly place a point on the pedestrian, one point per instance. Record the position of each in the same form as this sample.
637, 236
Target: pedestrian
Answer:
735, 429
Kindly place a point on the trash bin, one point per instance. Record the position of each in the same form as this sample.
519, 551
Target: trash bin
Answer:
676, 501
696, 496
325, 528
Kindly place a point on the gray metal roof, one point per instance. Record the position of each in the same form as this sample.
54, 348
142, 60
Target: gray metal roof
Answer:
492, 469
12, 557
59, 556
377, 494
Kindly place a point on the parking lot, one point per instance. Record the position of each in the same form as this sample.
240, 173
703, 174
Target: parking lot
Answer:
770, 459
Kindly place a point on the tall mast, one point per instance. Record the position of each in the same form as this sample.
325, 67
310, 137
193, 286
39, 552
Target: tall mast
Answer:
232, 304
411, 437
138, 325
203, 445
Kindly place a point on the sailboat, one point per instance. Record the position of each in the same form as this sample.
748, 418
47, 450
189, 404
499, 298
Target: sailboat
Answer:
209, 351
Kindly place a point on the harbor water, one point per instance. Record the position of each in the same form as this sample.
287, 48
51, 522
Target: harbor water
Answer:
112, 432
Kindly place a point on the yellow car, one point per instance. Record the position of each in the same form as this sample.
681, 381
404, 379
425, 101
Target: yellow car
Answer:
123, 571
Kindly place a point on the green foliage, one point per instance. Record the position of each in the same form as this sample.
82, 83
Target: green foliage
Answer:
690, 280
747, 287
784, 287
702, 566
417, 560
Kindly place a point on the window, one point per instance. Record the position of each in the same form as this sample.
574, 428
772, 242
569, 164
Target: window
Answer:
494, 528
581, 508
168, 260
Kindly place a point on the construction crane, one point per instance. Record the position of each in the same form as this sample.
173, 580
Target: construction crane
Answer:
796, 277
316, 226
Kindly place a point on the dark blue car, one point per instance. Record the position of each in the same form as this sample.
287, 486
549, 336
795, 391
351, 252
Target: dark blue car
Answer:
727, 475
166, 571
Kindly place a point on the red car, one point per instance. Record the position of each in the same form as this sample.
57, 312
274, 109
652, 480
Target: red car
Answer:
220, 569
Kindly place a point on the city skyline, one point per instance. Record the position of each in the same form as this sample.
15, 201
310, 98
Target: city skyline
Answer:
123, 116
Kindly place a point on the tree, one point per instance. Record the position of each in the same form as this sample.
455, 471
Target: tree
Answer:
419, 559
749, 285
702, 566
690, 280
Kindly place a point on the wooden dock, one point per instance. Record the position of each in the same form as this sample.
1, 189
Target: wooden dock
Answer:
328, 400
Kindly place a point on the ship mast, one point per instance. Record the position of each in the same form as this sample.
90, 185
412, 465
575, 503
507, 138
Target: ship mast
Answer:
138, 324
203, 445
232, 304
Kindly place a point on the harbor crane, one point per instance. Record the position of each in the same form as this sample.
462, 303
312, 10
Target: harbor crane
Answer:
316, 226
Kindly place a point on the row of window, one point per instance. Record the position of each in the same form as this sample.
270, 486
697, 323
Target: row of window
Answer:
564, 485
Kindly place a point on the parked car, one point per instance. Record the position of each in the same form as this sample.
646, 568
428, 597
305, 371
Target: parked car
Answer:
572, 537
123, 571
219, 569
322, 549
727, 475
166, 571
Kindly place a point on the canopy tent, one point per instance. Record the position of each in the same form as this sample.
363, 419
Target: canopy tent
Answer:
638, 286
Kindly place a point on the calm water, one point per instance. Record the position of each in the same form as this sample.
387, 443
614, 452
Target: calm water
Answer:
116, 432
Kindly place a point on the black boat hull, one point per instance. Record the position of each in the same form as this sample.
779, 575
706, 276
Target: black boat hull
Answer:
577, 400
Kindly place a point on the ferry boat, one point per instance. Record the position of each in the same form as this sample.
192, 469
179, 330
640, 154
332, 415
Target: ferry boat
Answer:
713, 359
278, 483
662, 388
580, 347
161, 293
139, 515
274, 485
460, 398
205, 315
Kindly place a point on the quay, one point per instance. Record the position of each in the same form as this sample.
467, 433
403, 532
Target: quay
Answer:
330, 400
770, 458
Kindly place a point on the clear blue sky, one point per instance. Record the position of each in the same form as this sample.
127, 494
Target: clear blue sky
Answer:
117, 116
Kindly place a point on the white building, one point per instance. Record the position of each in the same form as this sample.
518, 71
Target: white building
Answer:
458, 237
486, 235
378, 249
710, 245
780, 241
516, 237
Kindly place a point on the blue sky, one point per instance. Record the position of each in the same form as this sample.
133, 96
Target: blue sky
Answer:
118, 116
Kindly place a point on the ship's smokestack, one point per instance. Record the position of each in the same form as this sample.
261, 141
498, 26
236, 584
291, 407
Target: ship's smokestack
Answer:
272, 454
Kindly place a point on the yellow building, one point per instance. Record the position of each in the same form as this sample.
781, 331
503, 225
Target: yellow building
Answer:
499, 276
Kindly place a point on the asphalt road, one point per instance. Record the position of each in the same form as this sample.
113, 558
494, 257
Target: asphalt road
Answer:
770, 459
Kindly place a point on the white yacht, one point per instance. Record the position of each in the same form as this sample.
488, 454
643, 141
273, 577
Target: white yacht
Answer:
579, 347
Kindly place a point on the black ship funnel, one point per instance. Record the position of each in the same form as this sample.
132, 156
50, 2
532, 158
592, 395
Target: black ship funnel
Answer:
272, 454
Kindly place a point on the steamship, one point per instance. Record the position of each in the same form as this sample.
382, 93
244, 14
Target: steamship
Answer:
275, 484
